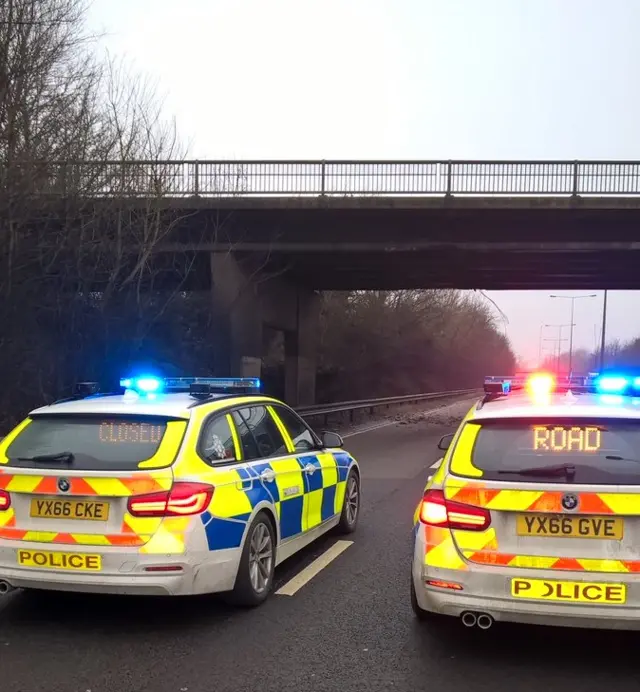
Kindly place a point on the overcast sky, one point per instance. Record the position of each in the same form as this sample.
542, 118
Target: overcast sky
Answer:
475, 79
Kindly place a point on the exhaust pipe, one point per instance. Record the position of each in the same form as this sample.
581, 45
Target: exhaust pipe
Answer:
5, 587
469, 619
484, 621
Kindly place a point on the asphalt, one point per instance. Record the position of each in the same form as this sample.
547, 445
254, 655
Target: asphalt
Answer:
350, 628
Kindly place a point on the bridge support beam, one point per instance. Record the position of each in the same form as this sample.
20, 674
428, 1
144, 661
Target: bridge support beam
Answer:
243, 304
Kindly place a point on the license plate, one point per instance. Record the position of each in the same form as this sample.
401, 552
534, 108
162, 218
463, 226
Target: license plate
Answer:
574, 526
45, 559
569, 591
87, 510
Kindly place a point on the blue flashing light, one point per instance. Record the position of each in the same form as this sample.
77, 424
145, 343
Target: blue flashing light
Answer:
611, 399
636, 382
145, 384
613, 384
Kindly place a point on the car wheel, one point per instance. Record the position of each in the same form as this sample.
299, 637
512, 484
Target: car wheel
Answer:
351, 506
257, 564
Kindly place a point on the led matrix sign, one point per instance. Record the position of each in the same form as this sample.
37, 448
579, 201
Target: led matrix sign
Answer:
562, 439
144, 433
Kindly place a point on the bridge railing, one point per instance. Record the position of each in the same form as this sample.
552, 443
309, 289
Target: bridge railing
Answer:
332, 178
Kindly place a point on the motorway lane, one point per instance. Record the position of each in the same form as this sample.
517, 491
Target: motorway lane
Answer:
350, 628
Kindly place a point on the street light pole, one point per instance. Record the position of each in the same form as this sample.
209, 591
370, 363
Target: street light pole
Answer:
604, 330
573, 301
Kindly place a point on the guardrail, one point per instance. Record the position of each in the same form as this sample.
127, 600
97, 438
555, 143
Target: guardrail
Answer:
294, 178
350, 407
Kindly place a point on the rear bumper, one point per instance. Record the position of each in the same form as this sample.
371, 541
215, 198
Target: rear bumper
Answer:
488, 590
123, 572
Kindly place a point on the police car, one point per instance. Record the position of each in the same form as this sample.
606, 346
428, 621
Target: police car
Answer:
534, 513
169, 487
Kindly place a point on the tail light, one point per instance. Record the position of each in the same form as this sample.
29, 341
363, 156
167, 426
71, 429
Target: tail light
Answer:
182, 500
5, 500
436, 510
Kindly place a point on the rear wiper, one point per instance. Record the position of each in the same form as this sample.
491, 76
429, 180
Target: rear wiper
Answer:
615, 457
63, 457
568, 470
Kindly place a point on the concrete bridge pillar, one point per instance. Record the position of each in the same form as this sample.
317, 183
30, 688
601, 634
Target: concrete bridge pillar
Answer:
300, 348
245, 302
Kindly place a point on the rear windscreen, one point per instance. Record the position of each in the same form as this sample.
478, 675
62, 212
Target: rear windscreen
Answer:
579, 451
87, 442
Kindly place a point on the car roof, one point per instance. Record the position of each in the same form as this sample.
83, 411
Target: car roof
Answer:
170, 405
559, 405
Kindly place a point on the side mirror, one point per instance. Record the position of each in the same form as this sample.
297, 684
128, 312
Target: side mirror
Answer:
445, 441
331, 439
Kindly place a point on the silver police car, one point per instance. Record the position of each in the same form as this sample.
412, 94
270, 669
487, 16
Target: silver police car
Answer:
534, 513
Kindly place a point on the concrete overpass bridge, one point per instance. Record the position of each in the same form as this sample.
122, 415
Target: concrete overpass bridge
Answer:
341, 225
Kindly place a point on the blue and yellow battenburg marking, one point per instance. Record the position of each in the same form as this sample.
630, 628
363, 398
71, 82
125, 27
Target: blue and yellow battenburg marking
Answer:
301, 500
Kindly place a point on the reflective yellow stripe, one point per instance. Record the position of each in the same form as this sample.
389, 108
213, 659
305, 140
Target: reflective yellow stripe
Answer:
329, 469
4, 444
167, 449
534, 562
234, 435
340, 491
87, 539
283, 431
312, 510
229, 500
476, 540
514, 500
441, 550
592, 565
461, 460
621, 503
23, 484
288, 477
6, 517
108, 487
170, 536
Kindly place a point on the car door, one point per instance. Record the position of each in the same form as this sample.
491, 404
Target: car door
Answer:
322, 501
268, 455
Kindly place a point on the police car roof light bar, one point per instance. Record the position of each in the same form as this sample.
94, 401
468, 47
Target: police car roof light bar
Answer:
197, 386
202, 387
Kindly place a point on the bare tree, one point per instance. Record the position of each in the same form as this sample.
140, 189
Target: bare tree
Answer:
84, 287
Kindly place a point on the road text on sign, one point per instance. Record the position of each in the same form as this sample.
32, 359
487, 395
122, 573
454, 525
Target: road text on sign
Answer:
559, 439
45, 559
569, 591
575, 526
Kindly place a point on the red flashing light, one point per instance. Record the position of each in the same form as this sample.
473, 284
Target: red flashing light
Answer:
541, 384
5, 500
436, 510
182, 500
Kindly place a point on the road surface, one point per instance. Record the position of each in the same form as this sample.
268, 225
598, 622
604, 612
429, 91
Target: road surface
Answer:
350, 627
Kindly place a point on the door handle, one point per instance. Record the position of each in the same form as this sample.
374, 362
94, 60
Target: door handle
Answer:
267, 475
310, 468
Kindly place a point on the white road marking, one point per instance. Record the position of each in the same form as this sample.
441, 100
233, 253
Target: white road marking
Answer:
310, 571
436, 465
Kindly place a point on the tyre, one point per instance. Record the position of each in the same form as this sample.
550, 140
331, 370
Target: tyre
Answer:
351, 506
257, 564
